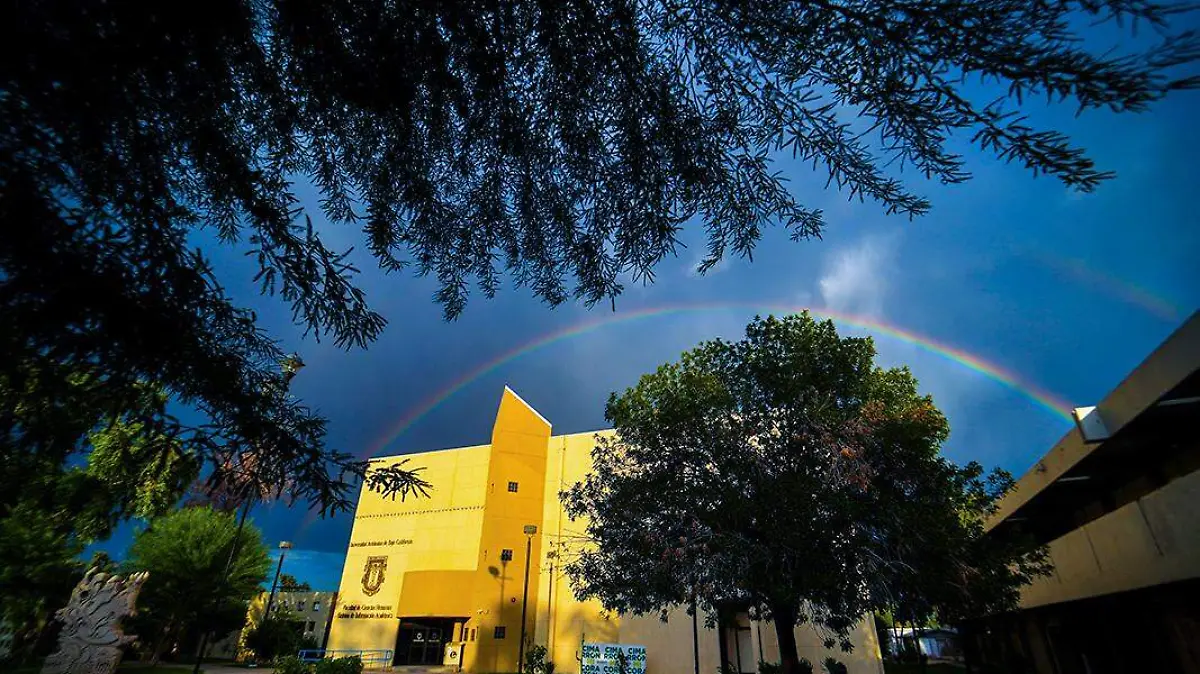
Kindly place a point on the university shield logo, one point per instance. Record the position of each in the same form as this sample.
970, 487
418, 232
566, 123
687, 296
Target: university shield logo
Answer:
373, 575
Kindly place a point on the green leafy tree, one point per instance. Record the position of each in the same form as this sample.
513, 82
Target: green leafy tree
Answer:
562, 143
186, 553
277, 635
38, 567
288, 583
787, 474
55, 501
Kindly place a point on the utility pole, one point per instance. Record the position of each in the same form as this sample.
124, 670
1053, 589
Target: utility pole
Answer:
530, 530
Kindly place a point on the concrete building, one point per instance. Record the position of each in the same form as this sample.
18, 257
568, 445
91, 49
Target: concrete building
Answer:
311, 614
1117, 500
440, 580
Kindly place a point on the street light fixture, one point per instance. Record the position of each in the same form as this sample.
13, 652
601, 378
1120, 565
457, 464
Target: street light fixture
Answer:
530, 531
284, 546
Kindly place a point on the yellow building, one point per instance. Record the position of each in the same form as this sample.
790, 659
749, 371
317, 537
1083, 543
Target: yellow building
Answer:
440, 580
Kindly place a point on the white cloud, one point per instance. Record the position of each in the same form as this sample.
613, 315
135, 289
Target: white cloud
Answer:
693, 268
856, 277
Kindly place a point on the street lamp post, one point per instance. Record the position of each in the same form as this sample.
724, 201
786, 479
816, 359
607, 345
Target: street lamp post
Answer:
284, 546
530, 530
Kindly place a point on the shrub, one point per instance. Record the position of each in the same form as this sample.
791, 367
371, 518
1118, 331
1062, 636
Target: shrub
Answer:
802, 667
769, 667
908, 653
536, 661
350, 665
277, 637
291, 665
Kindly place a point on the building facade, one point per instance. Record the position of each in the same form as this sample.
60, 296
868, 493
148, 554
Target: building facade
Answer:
1117, 502
441, 580
310, 614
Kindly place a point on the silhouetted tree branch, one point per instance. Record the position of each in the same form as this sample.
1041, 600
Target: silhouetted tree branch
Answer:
563, 143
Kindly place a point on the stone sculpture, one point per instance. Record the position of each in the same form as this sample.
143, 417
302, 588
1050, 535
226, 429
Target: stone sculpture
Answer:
91, 637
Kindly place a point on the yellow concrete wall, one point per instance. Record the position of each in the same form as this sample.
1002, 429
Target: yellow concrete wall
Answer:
441, 532
1151, 541
518, 454
669, 645
562, 625
865, 658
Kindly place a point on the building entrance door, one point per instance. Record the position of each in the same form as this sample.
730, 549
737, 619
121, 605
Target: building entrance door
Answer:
422, 641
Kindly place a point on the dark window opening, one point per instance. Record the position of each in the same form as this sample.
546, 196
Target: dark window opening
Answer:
512, 486
506, 555
499, 634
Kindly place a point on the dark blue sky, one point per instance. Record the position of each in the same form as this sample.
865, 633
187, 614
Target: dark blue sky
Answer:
1067, 291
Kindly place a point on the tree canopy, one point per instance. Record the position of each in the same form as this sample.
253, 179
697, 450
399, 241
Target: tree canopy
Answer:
276, 636
787, 474
288, 583
189, 588
563, 143
55, 501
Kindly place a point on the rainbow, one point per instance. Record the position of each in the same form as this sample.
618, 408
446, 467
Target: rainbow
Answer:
1043, 398
1124, 290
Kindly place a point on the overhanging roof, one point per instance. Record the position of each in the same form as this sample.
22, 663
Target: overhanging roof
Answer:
1148, 425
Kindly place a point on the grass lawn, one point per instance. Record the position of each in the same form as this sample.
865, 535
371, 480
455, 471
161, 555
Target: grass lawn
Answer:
174, 668
933, 668
129, 668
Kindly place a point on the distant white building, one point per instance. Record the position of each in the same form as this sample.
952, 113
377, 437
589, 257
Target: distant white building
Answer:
310, 612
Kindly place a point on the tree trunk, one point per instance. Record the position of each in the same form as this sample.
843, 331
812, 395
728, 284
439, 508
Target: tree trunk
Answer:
921, 658
785, 629
169, 633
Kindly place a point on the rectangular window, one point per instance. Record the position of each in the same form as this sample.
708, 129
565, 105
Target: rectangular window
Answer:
506, 555
474, 630
311, 625
499, 634
300, 605
512, 486
316, 605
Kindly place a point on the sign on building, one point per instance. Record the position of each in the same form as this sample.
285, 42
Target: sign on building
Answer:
606, 659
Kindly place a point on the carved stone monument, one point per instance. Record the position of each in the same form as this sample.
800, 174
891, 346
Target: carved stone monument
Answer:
91, 637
